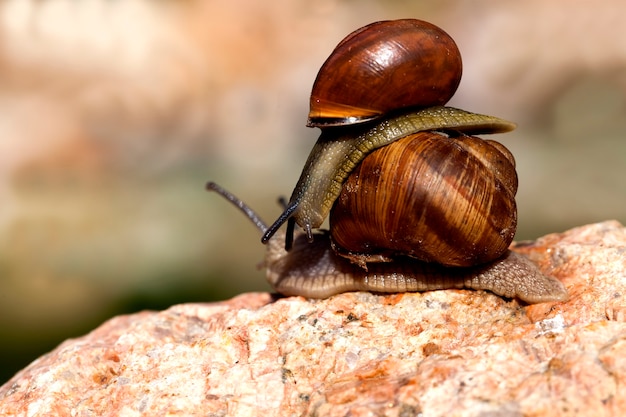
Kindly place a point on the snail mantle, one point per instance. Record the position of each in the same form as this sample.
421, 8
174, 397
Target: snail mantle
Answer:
446, 352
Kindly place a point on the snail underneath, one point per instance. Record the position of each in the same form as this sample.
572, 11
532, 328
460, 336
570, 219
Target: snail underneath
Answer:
415, 202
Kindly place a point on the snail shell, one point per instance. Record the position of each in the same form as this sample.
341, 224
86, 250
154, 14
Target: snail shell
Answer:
383, 67
440, 198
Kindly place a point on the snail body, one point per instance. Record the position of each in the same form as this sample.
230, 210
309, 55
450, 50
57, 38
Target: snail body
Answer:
414, 202
313, 269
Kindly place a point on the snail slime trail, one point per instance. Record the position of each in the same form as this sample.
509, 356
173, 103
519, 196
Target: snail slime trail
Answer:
383, 162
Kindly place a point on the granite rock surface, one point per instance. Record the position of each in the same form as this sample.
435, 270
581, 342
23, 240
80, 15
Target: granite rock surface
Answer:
452, 352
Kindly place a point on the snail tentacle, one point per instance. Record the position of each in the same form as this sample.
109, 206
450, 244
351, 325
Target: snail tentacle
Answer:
285, 215
237, 202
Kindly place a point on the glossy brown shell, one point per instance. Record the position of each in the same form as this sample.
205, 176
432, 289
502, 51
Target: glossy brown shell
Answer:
449, 200
385, 66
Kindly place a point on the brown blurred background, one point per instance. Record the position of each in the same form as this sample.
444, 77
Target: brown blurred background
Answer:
113, 114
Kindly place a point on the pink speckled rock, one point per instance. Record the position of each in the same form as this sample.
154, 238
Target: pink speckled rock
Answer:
440, 353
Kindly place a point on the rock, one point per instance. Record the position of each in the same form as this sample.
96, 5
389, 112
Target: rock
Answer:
436, 353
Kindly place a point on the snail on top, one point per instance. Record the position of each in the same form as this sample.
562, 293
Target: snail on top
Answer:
415, 202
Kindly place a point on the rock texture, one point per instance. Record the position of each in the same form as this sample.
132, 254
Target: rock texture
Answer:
453, 352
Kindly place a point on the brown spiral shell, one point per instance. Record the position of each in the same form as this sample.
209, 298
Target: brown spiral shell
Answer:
385, 66
434, 197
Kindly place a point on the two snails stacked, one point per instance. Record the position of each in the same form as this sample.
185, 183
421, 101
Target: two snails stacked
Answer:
415, 203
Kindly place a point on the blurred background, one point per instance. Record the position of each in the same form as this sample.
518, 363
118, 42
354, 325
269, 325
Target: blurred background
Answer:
114, 114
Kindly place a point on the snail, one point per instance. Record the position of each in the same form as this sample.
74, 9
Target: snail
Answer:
415, 202
382, 82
